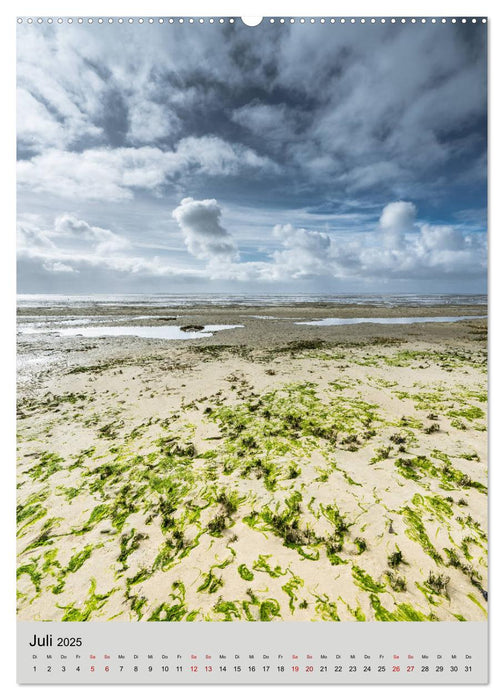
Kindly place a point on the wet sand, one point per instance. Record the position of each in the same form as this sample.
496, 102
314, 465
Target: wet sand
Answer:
270, 472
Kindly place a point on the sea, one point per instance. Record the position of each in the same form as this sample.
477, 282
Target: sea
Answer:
61, 301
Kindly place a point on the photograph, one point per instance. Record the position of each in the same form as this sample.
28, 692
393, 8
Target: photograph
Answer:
251, 321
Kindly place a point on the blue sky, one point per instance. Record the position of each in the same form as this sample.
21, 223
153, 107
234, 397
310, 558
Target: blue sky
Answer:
223, 158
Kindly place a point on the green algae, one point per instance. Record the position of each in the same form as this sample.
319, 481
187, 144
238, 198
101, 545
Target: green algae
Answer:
69, 492
402, 613
137, 604
360, 544
49, 403
99, 513
31, 511
227, 608
357, 613
263, 428
93, 603
262, 564
31, 570
366, 582
172, 485
470, 456
380, 382
245, 573
211, 583
346, 476
396, 559
49, 464
269, 609
176, 609
416, 531
286, 525
45, 538
437, 505
411, 468
468, 412
129, 543
397, 583
420, 467
168, 613
51, 564
78, 559
381, 453
290, 588
437, 584
326, 609
472, 597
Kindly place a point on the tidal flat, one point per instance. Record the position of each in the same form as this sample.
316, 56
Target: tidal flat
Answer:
271, 471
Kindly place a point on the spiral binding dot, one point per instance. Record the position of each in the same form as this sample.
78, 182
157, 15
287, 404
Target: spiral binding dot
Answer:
272, 20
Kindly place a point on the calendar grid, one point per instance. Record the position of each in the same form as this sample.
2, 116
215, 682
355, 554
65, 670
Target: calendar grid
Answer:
56, 653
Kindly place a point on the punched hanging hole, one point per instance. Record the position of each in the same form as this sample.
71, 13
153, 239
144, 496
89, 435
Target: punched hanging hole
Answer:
251, 21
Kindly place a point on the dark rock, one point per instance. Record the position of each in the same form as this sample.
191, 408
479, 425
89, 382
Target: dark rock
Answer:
191, 329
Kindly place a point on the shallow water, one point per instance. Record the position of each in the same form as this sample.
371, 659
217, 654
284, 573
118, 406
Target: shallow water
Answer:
157, 332
401, 320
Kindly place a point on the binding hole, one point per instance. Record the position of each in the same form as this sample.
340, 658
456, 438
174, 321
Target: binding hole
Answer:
252, 21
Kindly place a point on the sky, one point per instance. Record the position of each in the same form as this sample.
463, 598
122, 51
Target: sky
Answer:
194, 158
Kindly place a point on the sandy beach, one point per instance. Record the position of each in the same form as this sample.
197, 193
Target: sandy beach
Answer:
272, 471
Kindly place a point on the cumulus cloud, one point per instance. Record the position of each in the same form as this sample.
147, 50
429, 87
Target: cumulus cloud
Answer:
305, 253
397, 218
400, 248
103, 241
204, 235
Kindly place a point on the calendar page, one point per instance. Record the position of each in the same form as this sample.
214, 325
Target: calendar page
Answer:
252, 350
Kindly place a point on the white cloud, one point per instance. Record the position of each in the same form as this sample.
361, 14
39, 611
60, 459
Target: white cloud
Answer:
105, 174
399, 248
275, 122
445, 238
36, 127
360, 111
60, 96
204, 235
305, 253
56, 266
150, 121
31, 235
213, 156
105, 242
397, 219
72, 245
